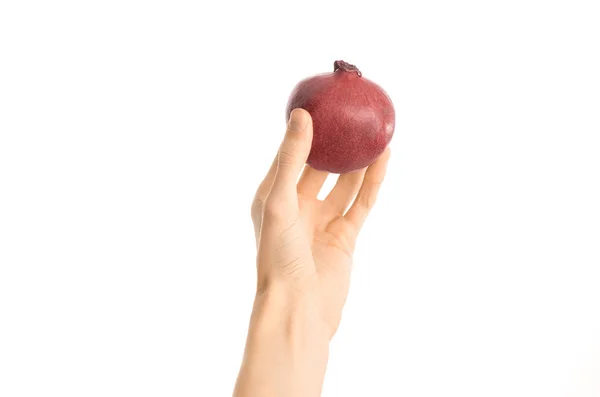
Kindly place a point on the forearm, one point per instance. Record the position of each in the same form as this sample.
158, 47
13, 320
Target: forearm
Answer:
287, 348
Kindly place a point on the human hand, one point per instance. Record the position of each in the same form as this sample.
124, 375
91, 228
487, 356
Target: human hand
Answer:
304, 258
305, 245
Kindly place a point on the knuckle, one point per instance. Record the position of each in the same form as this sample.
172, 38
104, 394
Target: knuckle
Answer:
256, 207
274, 208
371, 194
286, 157
367, 201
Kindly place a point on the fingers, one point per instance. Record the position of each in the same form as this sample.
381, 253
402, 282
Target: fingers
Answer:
344, 191
292, 155
367, 195
311, 182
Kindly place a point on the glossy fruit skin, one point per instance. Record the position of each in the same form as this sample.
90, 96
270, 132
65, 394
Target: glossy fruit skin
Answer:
353, 118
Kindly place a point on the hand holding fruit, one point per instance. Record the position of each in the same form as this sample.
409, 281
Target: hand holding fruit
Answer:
305, 245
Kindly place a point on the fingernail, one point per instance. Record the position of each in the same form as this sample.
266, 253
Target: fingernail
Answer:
298, 120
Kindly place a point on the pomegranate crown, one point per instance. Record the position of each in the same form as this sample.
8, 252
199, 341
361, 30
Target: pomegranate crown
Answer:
346, 67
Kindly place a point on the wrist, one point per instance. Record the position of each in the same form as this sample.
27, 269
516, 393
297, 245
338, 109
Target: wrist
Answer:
287, 347
291, 311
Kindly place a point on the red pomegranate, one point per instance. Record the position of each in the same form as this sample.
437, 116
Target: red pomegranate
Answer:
353, 118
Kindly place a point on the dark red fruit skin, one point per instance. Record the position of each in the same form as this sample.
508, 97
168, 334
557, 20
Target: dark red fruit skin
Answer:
353, 118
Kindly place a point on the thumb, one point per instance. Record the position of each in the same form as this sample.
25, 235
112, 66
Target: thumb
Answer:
293, 153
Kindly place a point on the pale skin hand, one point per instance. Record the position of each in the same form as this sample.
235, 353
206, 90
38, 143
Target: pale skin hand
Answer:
304, 259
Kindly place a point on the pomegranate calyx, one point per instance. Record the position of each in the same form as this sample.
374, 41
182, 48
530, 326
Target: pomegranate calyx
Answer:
346, 67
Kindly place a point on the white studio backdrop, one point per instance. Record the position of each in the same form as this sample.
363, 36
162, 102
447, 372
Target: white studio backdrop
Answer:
133, 135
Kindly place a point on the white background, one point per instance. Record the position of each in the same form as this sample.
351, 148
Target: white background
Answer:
133, 135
